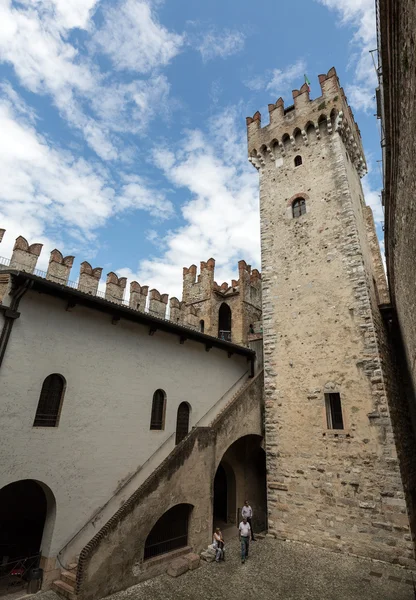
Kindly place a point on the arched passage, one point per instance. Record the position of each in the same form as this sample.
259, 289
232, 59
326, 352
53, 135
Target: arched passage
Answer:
170, 531
240, 476
224, 494
224, 322
26, 519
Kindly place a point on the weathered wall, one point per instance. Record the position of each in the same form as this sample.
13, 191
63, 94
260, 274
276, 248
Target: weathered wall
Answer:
337, 488
243, 297
111, 373
397, 39
113, 560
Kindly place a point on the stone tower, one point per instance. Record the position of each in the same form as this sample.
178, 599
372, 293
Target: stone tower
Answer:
230, 311
334, 477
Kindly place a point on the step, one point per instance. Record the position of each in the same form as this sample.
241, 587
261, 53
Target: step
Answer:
72, 566
64, 589
69, 577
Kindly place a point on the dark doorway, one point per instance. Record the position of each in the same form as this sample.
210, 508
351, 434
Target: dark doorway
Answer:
182, 422
224, 322
170, 532
22, 519
220, 495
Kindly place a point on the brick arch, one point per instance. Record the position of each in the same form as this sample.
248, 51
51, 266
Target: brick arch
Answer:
296, 196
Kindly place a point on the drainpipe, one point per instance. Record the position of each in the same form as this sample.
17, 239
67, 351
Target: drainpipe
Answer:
11, 314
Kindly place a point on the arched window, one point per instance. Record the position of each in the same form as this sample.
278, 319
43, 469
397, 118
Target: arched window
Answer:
298, 207
201, 325
298, 161
170, 532
50, 401
224, 322
182, 422
157, 420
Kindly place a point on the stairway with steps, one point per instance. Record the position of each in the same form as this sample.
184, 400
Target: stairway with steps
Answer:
65, 586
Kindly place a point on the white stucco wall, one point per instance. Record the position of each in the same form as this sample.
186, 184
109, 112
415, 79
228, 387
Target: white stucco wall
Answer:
111, 372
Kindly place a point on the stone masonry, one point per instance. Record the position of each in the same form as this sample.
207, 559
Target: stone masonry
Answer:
323, 334
243, 297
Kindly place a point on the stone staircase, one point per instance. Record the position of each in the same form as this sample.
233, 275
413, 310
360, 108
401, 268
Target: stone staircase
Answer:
65, 586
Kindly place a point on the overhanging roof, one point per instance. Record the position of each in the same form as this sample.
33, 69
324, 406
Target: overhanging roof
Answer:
120, 311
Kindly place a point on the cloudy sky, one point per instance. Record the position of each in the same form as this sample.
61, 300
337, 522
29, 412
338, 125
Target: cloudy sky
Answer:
122, 123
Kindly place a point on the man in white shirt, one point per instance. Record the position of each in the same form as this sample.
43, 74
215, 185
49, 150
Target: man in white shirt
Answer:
247, 512
244, 536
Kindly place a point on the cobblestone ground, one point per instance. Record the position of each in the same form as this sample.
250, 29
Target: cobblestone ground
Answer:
280, 571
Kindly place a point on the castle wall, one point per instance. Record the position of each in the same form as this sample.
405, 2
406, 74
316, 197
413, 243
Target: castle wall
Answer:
111, 372
397, 23
114, 558
336, 488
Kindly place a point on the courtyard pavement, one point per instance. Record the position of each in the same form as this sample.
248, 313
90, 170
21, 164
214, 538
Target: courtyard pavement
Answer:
280, 570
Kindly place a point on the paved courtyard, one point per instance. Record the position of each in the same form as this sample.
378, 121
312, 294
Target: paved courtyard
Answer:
280, 570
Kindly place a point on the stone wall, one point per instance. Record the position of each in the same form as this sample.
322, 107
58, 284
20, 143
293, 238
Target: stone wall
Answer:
113, 560
397, 39
339, 488
112, 370
243, 296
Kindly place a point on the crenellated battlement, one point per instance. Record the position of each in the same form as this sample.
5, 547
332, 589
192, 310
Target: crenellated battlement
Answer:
303, 123
185, 312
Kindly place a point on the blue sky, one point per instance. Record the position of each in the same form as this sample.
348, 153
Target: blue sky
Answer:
123, 122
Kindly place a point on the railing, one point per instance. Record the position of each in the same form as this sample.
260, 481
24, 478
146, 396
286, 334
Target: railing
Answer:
225, 335
166, 546
16, 572
162, 450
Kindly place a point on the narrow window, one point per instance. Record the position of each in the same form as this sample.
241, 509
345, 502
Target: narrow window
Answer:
201, 325
50, 401
334, 411
298, 161
157, 420
182, 422
224, 322
298, 207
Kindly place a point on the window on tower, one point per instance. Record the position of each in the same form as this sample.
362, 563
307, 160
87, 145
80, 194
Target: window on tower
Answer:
298, 161
299, 207
334, 418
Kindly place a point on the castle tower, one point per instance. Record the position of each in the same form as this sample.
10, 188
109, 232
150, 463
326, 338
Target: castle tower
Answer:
231, 312
333, 471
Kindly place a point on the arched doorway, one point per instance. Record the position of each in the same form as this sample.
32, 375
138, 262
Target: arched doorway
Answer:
240, 476
170, 531
182, 421
27, 513
224, 322
224, 495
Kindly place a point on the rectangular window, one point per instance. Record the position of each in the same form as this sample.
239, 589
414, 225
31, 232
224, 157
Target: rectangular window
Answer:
334, 411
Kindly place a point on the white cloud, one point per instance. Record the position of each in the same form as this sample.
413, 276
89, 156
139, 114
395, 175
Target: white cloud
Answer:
360, 14
34, 39
220, 44
279, 81
48, 189
134, 39
222, 214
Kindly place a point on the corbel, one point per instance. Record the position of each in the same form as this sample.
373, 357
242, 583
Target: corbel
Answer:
70, 305
152, 330
115, 320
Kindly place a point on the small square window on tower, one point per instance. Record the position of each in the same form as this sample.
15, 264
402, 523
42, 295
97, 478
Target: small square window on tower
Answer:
333, 411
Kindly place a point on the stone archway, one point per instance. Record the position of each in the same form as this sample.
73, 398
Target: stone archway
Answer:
26, 520
240, 476
224, 508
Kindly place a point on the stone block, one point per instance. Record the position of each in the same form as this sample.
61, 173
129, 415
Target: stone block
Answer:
193, 561
177, 567
207, 556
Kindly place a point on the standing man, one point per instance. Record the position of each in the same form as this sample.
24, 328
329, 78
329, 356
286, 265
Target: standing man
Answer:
247, 512
244, 536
